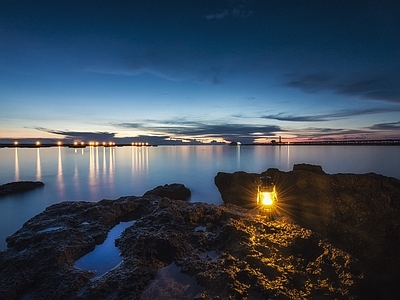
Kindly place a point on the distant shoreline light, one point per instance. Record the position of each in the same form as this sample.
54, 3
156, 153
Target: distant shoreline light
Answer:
82, 144
75, 144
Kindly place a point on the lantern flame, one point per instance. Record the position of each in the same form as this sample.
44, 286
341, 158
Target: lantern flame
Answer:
266, 196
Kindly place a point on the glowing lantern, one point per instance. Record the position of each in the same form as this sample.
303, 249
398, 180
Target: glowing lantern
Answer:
266, 195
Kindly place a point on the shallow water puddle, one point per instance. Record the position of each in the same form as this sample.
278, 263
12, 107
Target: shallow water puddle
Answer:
106, 256
170, 283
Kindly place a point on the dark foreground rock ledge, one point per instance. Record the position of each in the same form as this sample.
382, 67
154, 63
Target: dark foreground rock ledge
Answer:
228, 252
359, 213
19, 187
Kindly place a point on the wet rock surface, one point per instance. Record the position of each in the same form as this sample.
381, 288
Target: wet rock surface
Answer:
175, 191
19, 187
359, 213
222, 252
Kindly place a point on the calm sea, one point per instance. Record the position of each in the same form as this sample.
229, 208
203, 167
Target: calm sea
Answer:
96, 173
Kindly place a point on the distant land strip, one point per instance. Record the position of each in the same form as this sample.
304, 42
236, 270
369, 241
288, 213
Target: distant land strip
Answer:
345, 142
47, 145
391, 142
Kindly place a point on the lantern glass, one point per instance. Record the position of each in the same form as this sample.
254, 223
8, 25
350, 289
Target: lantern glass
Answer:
266, 194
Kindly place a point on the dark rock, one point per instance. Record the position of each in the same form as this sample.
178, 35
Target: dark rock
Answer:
234, 255
19, 187
308, 167
174, 191
239, 188
357, 213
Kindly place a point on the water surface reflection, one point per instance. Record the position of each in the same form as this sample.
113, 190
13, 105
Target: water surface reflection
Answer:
38, 166
96, 173
16, 165
105, 256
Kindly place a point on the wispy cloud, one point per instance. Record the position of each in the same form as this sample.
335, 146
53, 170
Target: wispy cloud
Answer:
219, 15
236, 12
317, 133
330, 116
84, 135
175, 132
395, 126
174, 62
198, 130
383, 87
234, 8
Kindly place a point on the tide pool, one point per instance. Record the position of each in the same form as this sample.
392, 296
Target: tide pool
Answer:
105, 256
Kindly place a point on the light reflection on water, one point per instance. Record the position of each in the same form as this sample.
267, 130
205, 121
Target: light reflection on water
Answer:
16, 165
96, 173
38, 166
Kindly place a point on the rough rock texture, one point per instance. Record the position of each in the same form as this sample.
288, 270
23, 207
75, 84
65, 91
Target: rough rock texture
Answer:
175, 191
239, 188
358, 213
19, 187
231, 252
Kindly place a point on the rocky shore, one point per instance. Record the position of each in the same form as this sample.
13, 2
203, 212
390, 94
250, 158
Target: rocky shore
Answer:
181, 250
19, 187
359, 213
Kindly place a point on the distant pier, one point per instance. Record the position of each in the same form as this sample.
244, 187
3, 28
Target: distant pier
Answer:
351, 142
75, 145
328, 143
391, 142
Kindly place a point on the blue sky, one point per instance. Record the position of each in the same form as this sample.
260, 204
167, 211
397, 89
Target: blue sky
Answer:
199, 70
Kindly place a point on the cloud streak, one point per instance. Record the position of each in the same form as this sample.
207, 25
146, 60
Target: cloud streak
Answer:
395, 126
197, 130
342, 114
382, 87
235, 8
80, 135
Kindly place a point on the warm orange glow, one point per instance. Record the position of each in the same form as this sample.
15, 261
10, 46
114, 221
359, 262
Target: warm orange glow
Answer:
82, 143
97, 143
15, 143
75, 143
266, 198
37, 143
59, 143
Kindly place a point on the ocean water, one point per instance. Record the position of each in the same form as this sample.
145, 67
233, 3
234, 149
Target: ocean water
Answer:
96, 173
